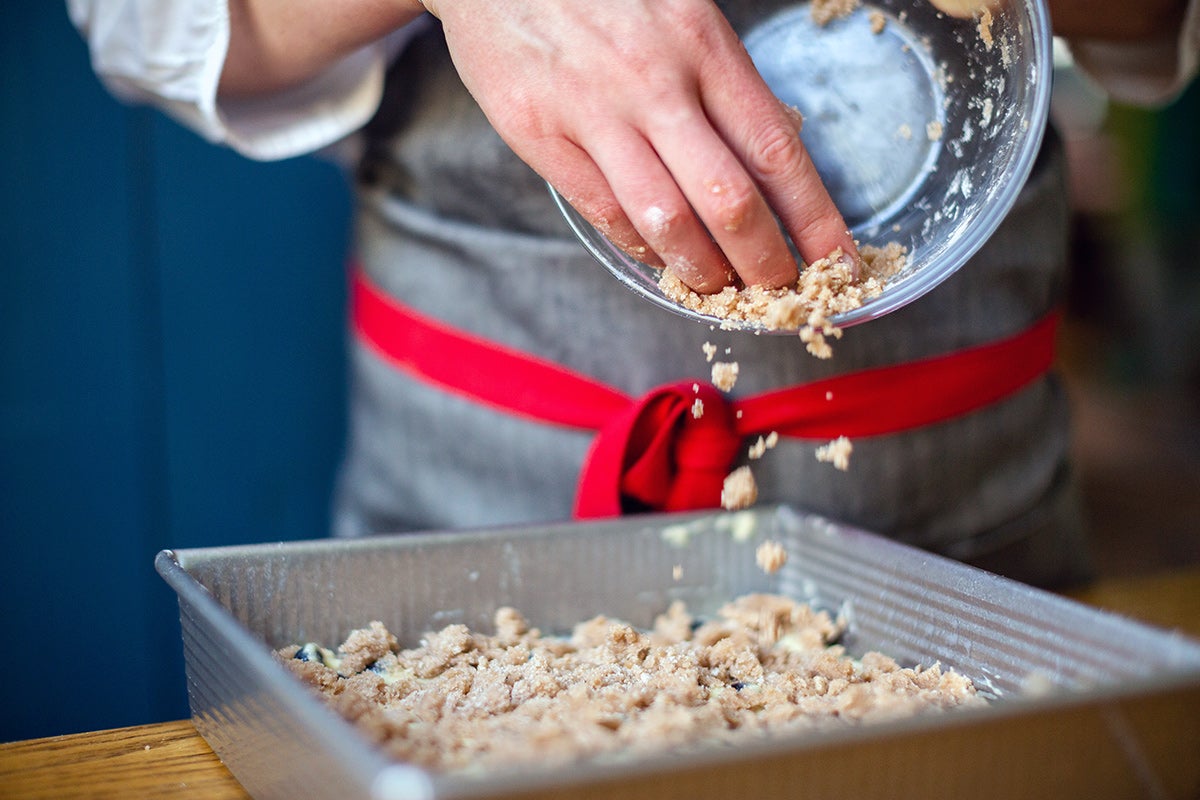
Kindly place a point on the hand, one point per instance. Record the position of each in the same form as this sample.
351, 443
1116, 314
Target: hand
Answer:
649, 118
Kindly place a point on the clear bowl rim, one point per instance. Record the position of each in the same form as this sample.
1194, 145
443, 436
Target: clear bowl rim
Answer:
924, 280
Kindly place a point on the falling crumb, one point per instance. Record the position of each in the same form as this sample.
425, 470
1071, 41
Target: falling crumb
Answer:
677, 572
1037, 684
815, 337
146, 747
934, 131
710, 350
904, 131
878, 22
829, 395
697, 408
724, 374
740, 490
826, 11
759, 448
837, 453
770, 556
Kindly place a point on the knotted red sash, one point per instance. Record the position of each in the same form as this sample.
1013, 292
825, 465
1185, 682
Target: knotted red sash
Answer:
658, 454
652, 452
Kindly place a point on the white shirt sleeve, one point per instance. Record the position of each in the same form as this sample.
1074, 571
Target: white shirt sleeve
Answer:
1149, 74
170, 54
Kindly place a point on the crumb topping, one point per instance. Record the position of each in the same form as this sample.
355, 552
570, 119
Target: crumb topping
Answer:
740, 489
770, 556
464, 701
764, 443
985, 28
837, 453
724, 374
826, 11
825, 288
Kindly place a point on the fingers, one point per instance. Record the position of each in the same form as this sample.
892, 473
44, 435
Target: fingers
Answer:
709, 180
656, 127
781, 165
657, 207
582, 184
764, 134
727, 201
963, 9
693, 206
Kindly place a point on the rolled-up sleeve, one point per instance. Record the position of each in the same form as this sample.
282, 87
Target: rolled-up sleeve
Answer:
170, 55
1145, 74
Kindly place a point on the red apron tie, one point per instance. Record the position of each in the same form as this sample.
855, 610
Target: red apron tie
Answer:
657, 454
653, 453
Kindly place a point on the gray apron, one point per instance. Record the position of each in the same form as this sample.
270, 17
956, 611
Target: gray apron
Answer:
453, 224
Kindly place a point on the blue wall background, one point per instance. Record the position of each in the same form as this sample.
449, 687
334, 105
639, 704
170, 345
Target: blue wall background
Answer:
171, 374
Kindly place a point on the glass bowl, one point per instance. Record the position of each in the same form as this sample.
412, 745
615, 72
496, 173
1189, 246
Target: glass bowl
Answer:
924, 130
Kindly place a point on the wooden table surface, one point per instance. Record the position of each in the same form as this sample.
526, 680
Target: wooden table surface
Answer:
171, 759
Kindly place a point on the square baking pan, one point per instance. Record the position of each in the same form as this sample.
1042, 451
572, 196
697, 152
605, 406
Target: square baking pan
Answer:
1083, 703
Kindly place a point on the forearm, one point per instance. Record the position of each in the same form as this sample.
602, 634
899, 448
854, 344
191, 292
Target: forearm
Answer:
1117, 20
275, 44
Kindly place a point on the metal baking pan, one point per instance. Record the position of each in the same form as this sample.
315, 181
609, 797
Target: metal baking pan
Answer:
1085, 703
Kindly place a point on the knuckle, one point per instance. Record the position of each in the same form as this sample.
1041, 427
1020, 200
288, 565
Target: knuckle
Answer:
729, 204
776, 151
660, 220
608, 217
605, 214
693, 22
522, 121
